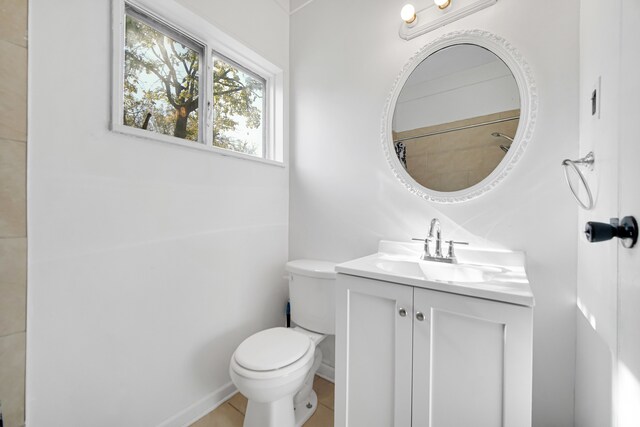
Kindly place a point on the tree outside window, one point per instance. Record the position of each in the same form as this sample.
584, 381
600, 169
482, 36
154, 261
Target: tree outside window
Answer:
162, 90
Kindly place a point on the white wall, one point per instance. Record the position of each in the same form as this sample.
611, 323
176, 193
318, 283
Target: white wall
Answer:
345, 57
148, 262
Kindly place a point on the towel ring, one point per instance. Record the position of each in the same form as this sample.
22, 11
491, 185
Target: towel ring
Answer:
587, 161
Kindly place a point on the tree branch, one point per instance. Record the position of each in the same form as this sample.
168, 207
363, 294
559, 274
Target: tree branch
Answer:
167, 62
184, 64
163, 79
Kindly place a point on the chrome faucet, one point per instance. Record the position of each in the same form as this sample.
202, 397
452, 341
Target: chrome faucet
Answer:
435, 226
435, 233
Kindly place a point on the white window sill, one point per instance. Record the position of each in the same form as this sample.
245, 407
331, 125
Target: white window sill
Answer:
152, 136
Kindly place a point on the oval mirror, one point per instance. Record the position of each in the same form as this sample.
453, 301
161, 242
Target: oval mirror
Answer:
463, 112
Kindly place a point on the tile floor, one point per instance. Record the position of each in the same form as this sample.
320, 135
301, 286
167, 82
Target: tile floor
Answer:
231, 413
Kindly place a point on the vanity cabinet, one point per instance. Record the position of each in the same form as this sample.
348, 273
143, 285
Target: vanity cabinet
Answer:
409, 356
373, 353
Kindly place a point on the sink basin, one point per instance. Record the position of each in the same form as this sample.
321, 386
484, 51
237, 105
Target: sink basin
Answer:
431, 270
492, 274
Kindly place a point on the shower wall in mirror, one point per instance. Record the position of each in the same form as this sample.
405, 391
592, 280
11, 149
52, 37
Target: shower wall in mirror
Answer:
456, 155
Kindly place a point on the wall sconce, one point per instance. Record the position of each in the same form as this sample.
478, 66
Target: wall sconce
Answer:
437, 15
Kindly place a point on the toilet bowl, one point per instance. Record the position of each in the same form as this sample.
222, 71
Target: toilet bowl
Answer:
274, 369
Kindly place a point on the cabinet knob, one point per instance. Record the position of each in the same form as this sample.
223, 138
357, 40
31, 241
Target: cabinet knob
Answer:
420, 316
402, 312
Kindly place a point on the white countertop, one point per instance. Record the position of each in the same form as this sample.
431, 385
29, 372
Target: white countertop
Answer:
490, 274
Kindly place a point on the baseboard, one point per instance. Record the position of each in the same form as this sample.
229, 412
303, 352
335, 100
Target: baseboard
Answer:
202, 407
327, 372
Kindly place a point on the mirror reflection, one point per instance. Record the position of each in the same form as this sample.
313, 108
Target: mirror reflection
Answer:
456, 117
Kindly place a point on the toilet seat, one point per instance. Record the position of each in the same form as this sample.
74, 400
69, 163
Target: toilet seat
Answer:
275, 352
272, 349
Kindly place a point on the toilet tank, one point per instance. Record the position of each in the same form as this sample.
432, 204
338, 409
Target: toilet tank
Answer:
312, 294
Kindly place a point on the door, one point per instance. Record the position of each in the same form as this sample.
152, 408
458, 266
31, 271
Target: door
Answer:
628, 363
472, 362
373, 353
597, 294
608, 315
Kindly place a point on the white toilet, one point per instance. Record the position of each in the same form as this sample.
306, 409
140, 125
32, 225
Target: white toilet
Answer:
274, 368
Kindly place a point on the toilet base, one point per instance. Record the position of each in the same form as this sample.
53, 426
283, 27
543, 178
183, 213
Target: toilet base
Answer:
278, 413
305, 411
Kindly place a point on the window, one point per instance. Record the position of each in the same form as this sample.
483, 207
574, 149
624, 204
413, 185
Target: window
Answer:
239, 103
161, 76
196, 88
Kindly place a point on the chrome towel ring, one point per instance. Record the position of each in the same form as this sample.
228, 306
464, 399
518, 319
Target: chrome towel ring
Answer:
587, 161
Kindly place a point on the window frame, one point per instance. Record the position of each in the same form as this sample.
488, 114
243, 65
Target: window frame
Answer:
212, 41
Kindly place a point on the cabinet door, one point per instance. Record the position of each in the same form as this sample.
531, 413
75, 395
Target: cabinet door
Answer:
472, 362
373, 353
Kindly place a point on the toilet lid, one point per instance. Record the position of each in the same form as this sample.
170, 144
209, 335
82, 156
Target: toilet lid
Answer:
312, 268
272, 349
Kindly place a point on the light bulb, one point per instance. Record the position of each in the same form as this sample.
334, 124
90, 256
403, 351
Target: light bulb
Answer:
442, 4
408, 13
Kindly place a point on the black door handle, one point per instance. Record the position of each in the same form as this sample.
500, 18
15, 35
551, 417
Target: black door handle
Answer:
627, 230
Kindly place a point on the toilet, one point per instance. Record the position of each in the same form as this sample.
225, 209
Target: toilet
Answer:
274, 368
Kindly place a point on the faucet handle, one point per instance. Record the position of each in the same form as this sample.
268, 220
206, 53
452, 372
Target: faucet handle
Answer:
452, 253
425, 240
427, 253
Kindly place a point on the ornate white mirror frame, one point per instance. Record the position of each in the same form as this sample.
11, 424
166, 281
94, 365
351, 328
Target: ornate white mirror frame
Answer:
528, 112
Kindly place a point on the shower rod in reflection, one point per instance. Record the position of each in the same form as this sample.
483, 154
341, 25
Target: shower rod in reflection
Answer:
475, 125
504, 148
